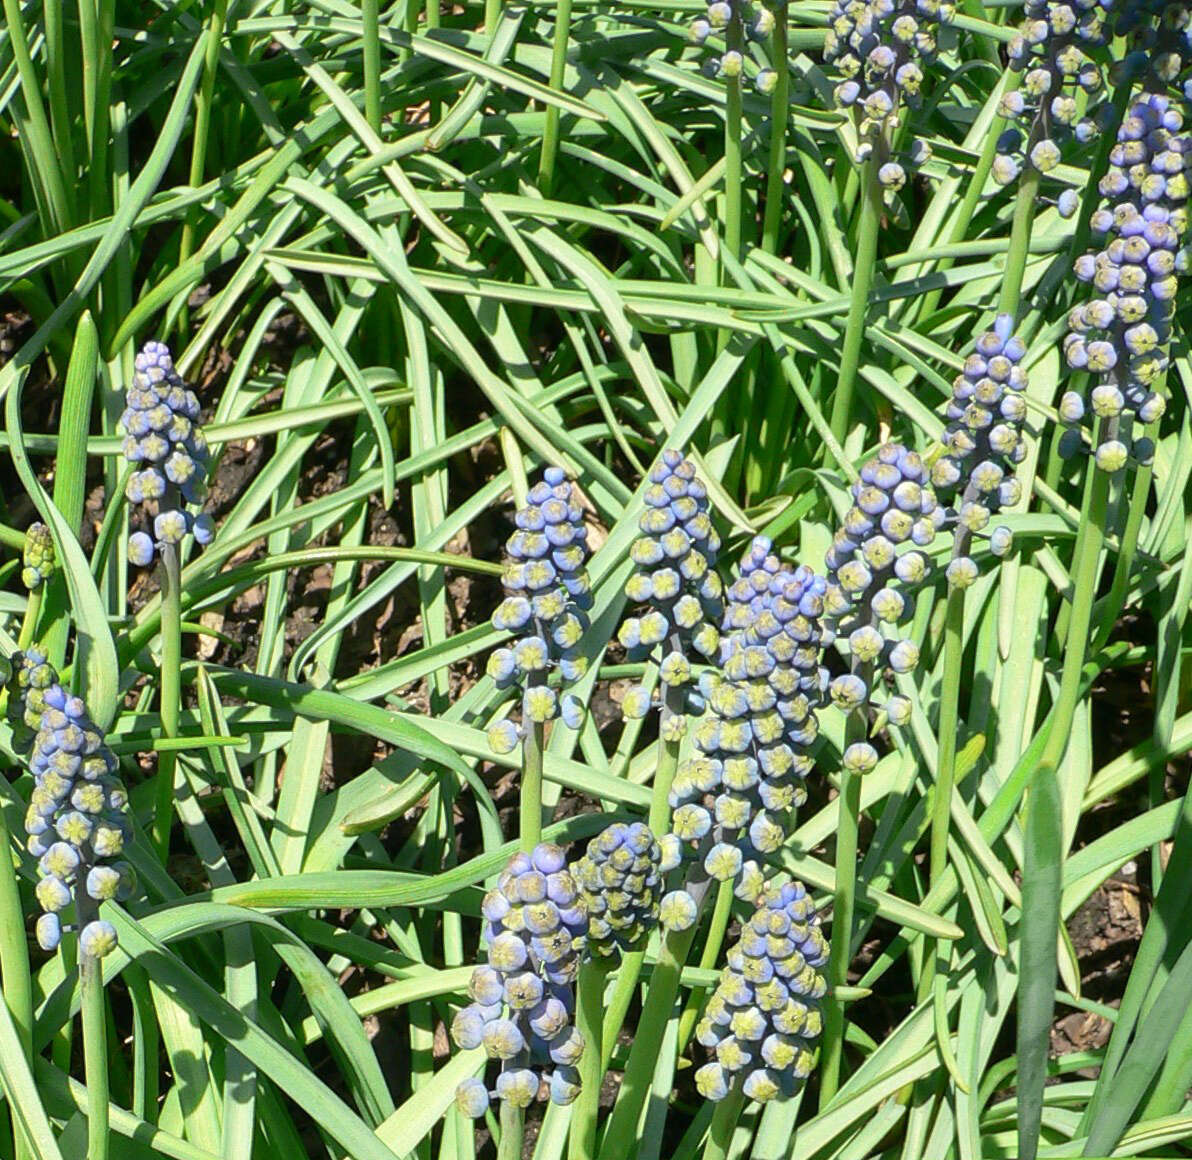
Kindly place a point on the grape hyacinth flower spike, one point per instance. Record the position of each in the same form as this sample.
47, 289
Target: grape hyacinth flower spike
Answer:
620, 880
880, 49
675, 579
164, 441
983, 445
756, 21
763, 1018
1122, 338
547, 596
874, 565
30, 675
734, 797
1160, 35
1055, 54
38, 558
77, 822
523, 1000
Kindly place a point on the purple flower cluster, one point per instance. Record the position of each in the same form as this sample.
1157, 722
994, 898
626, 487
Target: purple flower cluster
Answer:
523, 1000
763, 1019
164, 439
880, 48
983, 443
733, 799
77, 821
757, 22
1161, 34
29, 677
1122, 337
547, 595
675, 578
620, 879
1053, 53
874, 565
38, 559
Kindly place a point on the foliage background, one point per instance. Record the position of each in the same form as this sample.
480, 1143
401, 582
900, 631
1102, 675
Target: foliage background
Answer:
395, 312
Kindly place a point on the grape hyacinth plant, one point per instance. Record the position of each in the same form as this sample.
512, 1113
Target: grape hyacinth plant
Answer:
665, 685
620, 878
77, 821
38, 558
166, 445
983, 446
78, 826
523, 1000
1121, 339
874, 566
1056, 55
164, 441
547, 596
757, 21
764, 1018
881, 48
675, 579
733, 799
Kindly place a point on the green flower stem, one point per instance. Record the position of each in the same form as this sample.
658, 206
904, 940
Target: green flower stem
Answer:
95, 1055
492, 13
32, 615
558, 68
733, 183
668, 763
1020, 242
1106, 613
204, 102
779, 118
949, 711
621, 1132
589, 1019
842, 919
941, 809
513, 1127
530, 801
171, 693
370, 18
1044, 845
619, 1003
854, 329
659, 823
722, 912
14, 966
969, 203
724, 1123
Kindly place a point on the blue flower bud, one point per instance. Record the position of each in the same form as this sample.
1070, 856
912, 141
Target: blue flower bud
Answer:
140, 549
471, 1097
38, 558
49, 931
97, 939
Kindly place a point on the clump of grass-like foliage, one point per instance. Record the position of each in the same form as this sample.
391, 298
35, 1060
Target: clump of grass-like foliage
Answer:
595, 580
